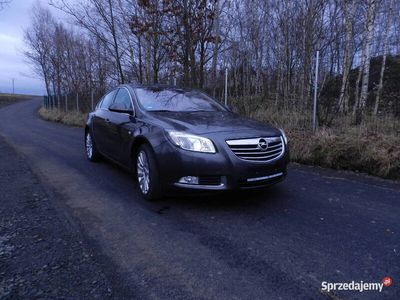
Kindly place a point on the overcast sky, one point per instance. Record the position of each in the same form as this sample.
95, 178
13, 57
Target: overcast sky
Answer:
14, 18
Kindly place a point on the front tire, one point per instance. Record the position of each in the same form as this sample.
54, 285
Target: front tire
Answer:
147, 174
92, 153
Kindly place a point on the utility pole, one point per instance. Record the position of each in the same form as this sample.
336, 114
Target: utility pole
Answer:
13, 85
315, 94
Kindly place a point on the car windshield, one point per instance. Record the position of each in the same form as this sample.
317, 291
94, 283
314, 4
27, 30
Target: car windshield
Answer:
177, 100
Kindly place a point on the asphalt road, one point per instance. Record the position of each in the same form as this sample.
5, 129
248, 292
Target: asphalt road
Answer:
281, 243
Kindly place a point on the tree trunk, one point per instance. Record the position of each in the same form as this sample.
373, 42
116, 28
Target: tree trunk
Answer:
385, 50
365, 78
215, 50
344, 90
115, 44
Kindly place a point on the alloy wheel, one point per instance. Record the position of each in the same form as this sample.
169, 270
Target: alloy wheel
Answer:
143, 172
89, 145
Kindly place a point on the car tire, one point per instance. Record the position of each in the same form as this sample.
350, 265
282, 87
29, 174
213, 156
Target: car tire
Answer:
92, 153
147, 176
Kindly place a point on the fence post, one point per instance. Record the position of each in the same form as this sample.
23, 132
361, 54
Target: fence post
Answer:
92, 99
77, 102
66, 103
315, 94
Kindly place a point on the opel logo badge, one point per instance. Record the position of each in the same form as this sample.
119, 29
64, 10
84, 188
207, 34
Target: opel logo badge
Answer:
262, 144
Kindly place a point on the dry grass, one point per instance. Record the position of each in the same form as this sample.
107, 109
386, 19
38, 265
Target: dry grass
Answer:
373, 147
72, 118
373, 154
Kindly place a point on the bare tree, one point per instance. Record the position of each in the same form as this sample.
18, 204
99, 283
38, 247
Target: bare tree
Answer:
386, 34
268, 47
369, 23
98, 18
38, 39
348, 9
3, 3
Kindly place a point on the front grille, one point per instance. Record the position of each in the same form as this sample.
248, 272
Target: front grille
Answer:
210, 180
258, 149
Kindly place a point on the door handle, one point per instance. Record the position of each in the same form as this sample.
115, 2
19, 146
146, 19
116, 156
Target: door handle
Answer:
108, 121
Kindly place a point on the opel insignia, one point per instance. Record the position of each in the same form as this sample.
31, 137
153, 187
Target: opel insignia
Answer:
174, 138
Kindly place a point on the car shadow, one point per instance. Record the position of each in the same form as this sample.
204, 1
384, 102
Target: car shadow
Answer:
268, 198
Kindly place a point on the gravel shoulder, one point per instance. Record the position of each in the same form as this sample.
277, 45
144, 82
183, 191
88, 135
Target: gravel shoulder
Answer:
43, 254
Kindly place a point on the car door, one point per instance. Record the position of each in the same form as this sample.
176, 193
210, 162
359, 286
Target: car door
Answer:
121, 116
101, 120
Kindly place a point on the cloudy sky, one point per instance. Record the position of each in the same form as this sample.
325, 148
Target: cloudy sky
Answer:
14, 18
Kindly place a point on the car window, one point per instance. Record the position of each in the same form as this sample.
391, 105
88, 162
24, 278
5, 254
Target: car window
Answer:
108, 99
173, 99
122, 100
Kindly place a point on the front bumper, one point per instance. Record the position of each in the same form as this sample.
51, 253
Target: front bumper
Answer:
234, 173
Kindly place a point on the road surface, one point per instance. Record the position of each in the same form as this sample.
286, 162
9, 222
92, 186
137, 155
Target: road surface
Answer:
281, 243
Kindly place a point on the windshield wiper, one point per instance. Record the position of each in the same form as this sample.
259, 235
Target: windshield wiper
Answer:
161, 110
200, 110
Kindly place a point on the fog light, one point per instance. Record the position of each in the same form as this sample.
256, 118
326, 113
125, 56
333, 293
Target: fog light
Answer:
189, 180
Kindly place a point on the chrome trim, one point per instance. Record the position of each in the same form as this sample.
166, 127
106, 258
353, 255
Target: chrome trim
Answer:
261, 152
252, 143
220, 186
264, 177
130, 96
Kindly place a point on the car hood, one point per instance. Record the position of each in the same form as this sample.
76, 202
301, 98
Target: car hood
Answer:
212, 122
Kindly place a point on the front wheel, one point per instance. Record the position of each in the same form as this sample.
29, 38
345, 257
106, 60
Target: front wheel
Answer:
91, 151
147, 174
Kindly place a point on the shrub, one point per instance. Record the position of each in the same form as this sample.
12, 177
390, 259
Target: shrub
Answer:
72, 118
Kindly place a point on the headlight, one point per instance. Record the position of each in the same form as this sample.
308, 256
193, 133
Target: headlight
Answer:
191, 142
283, 135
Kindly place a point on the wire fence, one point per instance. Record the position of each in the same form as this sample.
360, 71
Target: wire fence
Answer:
263, 108
79, 102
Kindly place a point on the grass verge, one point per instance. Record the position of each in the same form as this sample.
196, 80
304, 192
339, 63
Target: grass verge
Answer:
377, 154
72, 118
373, 147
